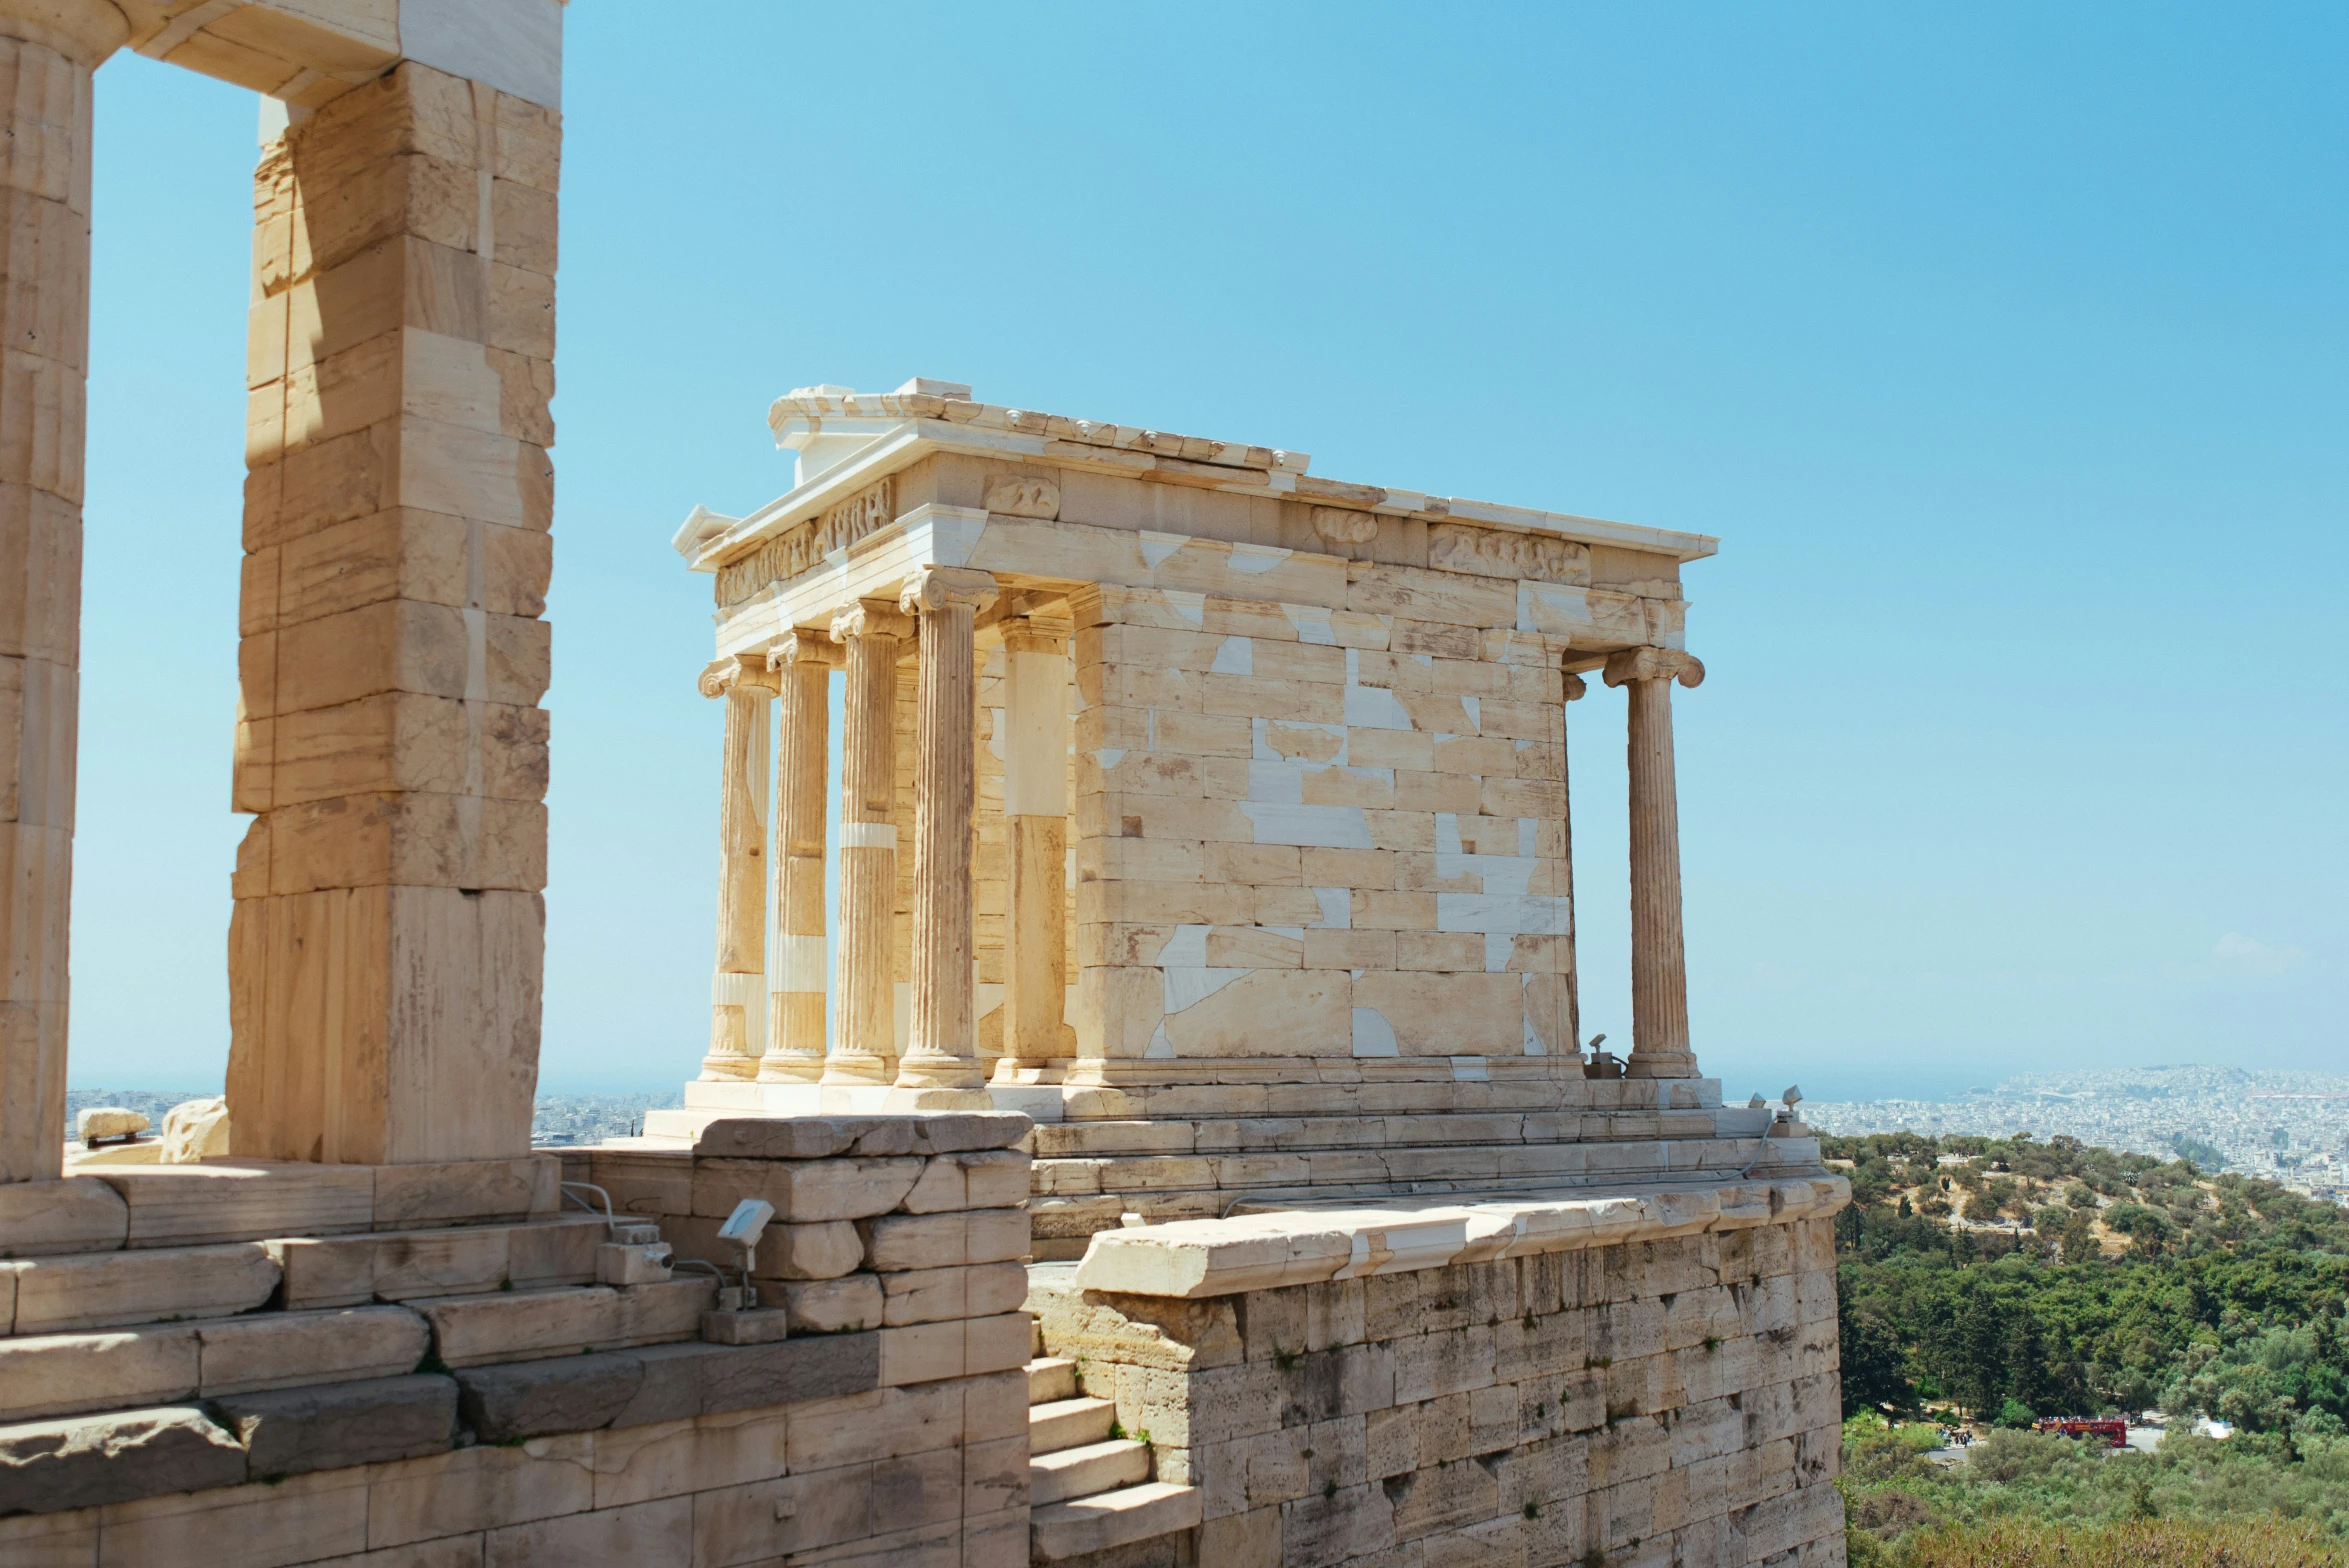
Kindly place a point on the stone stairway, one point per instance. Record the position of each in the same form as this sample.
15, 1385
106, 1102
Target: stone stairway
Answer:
1089, 1485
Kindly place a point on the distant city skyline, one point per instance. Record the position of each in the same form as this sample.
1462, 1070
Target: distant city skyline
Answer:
2002, 350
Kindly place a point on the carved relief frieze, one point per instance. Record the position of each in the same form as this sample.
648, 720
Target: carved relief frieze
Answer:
1024, 495
1489, 552
788, 554
1339, 525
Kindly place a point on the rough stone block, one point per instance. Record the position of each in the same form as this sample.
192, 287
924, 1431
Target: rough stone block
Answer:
327, 1427
469, 1192
829, 1306
755, 1326
820, 1251
44, 1218
928, 1241
804, 1191
820, 1367
989, 1179
187, 1205
562, 1394
84, 1461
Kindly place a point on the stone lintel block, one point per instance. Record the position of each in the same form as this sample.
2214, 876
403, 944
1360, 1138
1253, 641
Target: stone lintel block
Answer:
805, 1191
272, 1350
64, 1374
421, 1002
77, 1214
928, 1241
824, 1137
467, 1192
182, 1205
391, 742
335, 1425
86, 1461
109, 1289
405, 840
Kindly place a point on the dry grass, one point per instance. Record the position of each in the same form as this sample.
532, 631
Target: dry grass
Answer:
2162, 1543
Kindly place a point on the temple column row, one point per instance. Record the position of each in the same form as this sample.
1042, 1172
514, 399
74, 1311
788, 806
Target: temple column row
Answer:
785, 1042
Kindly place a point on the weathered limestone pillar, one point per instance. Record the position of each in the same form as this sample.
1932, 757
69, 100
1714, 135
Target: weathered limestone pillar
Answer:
386, 953
47, 54
941, 1065
865, 1022
1659, 963
738, 985
1035, 814
803, 664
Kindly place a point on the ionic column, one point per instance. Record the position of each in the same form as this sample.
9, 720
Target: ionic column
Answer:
864, 1048
1659, 963
738, 988
803, 664
941, 1065
47, 53
1035, 813
1576, 688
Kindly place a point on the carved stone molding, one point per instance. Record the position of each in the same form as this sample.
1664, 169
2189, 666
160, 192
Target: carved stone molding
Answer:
1490, 552
1576, 688
1339, 525
1654, 664
936, 588
788, 554
1024, 495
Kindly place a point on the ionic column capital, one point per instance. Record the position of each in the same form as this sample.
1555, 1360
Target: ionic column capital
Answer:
721, 676
936, 588
871, 618
1654, 664
1022, 634
805, 645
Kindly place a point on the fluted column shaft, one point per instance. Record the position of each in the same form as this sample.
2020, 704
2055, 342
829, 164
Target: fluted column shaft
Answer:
1035, 812
803, 665
864, 1047
738, 1002
45, 70
1659, 963
941, 1055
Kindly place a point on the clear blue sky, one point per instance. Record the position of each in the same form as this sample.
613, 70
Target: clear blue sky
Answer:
2006, 349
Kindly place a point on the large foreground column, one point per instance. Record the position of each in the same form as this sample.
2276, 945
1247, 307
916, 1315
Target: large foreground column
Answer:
1035, 814
386, 953
1659, 963
941, 1065
738, 984
47, 53
803, 663
864, 1048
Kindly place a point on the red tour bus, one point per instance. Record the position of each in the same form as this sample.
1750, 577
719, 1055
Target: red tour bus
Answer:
2112, 1429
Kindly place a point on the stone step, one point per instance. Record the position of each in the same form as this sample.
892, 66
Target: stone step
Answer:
72, 1374
1086, 1470
92, 1290
1051, 1379
1069, 1423
1058, 1531
1283, 1134
526, 1325
1077, 1176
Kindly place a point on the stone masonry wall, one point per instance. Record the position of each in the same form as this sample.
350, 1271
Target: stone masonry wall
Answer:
591, 1414
1665, 1402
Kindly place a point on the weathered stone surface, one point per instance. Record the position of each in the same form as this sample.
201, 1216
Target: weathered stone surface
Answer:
109, 1289
60, 1374
83, 1461
109, 1121
826, 1137
829, 1306
44, 1218
814, 1368
984, 1180
286, 1349
297, 1430
820, 1251
564, 1394
805, 1191
923, 1241
195, 1130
